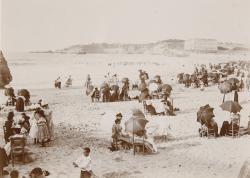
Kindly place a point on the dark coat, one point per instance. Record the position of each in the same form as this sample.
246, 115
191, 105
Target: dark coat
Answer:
3, 158
9, 130
19, 104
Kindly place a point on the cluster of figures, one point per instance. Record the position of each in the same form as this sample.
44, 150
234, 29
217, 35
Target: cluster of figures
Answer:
135, 126
36, 172
40, 128
20, 101
229, 127
20, 126
213, 74
112, 90
109, 93
58, 82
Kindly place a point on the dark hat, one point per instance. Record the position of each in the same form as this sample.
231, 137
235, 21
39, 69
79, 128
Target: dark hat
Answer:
119, 115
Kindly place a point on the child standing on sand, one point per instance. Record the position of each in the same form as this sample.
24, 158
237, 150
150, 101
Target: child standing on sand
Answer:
43, 132
84, 163
34, 129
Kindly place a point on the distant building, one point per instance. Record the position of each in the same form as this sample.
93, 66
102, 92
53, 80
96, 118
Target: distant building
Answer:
173, 44
201, 45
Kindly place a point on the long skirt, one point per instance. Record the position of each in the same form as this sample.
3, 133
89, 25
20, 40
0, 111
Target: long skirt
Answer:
33, 131
43, 133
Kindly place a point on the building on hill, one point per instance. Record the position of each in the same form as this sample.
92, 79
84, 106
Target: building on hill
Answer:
201, 45
173, 44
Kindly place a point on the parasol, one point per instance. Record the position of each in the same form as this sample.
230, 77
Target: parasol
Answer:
114, 87
125, 80
104, 85
231, 106
135, 125
205, 114
233, 80
225, 88
166, 88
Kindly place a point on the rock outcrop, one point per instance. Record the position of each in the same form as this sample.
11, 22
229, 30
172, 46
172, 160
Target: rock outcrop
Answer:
5, 75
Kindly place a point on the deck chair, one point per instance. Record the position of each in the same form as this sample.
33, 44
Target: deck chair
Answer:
207, 132
17, 145
233, 131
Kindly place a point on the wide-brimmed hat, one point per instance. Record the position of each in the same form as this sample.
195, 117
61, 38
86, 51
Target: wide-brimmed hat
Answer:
119, 114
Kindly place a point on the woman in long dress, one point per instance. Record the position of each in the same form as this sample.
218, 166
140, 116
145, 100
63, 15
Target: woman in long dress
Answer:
50, 123
43, 132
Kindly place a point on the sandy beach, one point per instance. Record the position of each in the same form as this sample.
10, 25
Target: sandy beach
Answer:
79, 123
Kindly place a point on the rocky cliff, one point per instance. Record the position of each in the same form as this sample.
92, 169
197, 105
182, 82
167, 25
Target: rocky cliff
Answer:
5, 75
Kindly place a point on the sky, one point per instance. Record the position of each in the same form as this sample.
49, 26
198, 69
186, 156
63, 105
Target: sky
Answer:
28, 25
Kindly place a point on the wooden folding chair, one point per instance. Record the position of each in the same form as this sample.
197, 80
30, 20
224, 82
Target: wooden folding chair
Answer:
17, 145
234, 131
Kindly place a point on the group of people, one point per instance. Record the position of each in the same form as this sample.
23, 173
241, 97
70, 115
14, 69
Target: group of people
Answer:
215, 74
4, 162
167, 105
18, 101
114, 91
40, 127
58, 82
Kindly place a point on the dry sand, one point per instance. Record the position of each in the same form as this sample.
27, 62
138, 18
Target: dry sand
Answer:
79, 123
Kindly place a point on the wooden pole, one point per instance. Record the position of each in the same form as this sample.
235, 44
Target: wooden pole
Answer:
133, 138
143, 142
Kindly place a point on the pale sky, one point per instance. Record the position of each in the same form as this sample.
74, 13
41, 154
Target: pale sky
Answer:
52, 24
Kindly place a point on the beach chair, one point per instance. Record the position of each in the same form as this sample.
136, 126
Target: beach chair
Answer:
17, 145
210, 133
207, 132
233, 131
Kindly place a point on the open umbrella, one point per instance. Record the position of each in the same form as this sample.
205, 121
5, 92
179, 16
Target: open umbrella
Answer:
166, 88
225, 88
114, 87
231, 106
138, 113
233, 80
104, 85
205, 114
135, 125
125, 80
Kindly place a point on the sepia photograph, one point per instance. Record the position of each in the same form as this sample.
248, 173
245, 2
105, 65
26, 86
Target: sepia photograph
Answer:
124, 89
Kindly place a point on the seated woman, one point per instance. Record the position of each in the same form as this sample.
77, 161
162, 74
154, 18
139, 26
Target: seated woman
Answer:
226, 126
210, 127
169, 109
151, 109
